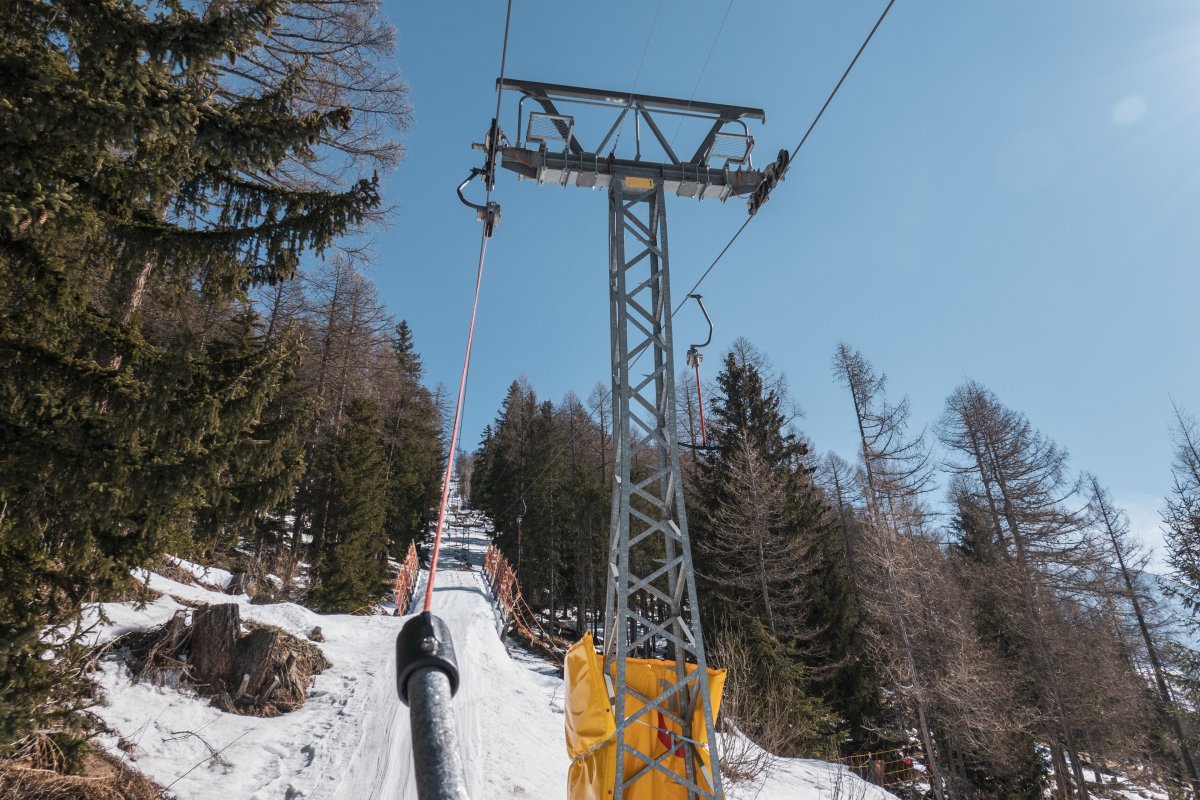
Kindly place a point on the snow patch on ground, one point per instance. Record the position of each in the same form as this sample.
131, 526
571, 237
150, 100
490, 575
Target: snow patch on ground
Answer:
350, 741
211, 576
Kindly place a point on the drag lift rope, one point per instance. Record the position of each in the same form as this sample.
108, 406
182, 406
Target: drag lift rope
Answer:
491, 145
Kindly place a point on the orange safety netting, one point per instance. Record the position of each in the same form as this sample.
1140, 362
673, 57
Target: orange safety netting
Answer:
406, 579
402, 589
502, 579
887, 768
501, 576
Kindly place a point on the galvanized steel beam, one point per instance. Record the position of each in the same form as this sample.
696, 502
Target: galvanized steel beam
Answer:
650, 552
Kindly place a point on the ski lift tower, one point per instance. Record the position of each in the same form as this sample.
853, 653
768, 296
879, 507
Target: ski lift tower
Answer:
650, 559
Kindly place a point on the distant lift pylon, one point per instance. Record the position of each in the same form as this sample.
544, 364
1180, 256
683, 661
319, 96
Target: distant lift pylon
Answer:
650, 559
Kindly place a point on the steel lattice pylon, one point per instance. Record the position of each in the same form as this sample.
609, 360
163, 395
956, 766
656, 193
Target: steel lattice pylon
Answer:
650, 600
650, 555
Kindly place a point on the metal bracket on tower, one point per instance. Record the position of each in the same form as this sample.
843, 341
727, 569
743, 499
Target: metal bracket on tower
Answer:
552, 151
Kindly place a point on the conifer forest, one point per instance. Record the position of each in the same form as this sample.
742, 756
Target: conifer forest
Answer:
206, 364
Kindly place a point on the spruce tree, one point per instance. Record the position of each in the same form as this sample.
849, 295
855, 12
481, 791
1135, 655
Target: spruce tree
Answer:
539, 474
257, 453
506, 467
586, 511
1181, 518
1181, 514
129, 176
412, 439
354, 566
748, 413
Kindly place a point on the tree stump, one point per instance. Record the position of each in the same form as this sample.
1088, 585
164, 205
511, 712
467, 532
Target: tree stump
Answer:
174, 632
256, 666
265, 672
215, 632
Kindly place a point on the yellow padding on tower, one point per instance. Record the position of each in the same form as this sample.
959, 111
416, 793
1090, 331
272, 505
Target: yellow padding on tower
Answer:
591, 729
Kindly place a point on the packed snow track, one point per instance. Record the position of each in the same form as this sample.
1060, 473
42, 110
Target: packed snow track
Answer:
351, 739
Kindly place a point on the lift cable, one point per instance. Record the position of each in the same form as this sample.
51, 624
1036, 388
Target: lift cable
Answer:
594, 410
789, 159
491, 145
646, 47
641, 62
704, 68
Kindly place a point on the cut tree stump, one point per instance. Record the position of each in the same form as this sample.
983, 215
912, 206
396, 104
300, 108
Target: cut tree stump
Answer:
265, 672
175, 632
256, 665
215, 632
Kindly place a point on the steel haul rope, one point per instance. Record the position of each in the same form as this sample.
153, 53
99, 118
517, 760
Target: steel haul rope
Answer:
437, 541
786, 159
491, 146
427, 674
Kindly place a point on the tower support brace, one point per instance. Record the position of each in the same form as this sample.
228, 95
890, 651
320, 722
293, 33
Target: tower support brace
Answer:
650, 602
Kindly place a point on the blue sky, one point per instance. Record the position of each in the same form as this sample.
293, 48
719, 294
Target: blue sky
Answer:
1005, 191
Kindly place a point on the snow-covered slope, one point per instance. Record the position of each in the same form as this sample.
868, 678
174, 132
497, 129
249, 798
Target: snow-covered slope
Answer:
351, 739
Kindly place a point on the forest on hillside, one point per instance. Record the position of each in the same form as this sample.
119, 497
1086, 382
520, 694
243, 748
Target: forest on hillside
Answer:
956, 590
194, 361
193, 357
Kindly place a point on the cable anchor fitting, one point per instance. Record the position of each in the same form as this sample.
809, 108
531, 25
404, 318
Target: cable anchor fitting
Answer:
424, 643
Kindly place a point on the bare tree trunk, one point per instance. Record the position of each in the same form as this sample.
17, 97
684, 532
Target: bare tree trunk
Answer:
1092, 756
135, 296
1060, 771
1164, 692
276, 305
301, 512
766, 595
1039, 656
935, 779
1043, 658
